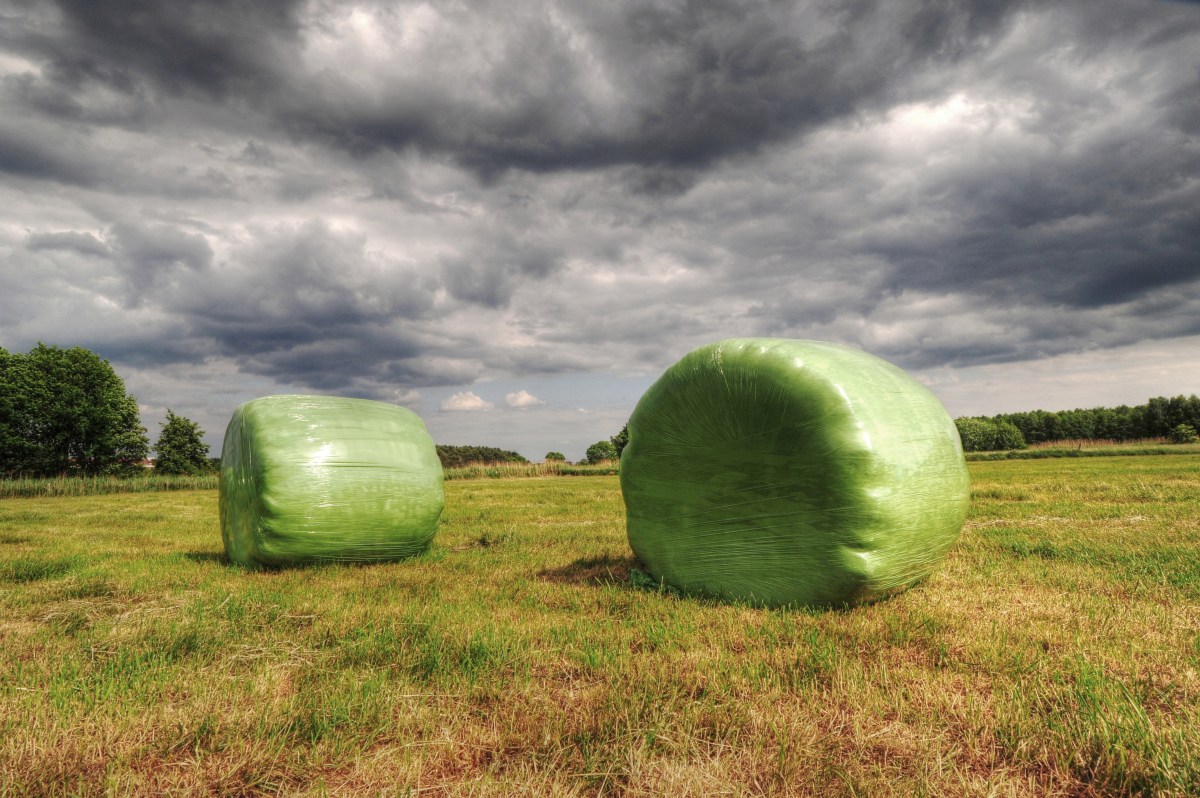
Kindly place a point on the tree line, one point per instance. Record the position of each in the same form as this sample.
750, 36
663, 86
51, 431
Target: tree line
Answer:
66, 412
458, 456
1175, 418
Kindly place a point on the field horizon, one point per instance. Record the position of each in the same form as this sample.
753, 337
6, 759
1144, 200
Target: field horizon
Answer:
1055, 652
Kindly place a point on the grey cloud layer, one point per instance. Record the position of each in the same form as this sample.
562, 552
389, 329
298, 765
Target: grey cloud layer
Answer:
371, 198
504, 85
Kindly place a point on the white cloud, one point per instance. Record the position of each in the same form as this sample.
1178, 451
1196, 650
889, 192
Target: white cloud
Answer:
466, 400
408, 398
522, 399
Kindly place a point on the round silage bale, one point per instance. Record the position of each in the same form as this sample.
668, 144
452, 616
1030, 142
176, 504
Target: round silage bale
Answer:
325, 478
784, 472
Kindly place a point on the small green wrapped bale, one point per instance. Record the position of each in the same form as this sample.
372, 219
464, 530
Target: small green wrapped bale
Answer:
322, 478
782, 472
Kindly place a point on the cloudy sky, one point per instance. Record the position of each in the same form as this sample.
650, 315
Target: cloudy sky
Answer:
512, 216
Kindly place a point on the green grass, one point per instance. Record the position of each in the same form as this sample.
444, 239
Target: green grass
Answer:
1057, 652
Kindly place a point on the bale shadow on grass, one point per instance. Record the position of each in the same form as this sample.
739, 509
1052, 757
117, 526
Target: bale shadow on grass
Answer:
207, 556
221, 558
597, 571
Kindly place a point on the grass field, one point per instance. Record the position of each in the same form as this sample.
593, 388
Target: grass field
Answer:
26, 488
1057, 652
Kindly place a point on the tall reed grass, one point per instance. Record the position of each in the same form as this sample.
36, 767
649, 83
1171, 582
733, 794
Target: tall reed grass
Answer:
514, 470
1097, 443
27, 487
1052, 449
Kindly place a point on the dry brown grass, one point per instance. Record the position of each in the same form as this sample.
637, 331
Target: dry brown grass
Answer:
1096, 443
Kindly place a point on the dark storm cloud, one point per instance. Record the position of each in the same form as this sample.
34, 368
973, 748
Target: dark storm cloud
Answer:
84, 243
1081, 226
331, 362
214, 48
23, 155
31, 150
309, 274
144, 257
694, 82
150, 255
355, 198
489, 273
285, 275
305, 304
308, 305
67, 97
689, 82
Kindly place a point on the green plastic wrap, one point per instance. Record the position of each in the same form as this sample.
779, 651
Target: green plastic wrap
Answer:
782, 472
322, 478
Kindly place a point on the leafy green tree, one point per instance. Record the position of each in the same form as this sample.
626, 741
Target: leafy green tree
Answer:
600, 451
1076, 424
1184, 433
66, 411
180, 447
555, 457
1115, 423
1007, 436
16, 444
975, 433
1154, 417
620, 440
987, 435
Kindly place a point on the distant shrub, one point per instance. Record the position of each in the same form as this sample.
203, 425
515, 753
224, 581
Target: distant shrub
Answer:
1007, 436
987, 435
1184, 433
555, 456
975, 434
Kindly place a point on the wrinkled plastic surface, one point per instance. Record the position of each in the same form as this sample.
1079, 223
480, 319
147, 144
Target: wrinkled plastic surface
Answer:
784, 472
320, 478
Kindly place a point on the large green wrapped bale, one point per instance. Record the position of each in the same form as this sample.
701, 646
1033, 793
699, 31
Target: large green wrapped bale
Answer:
321, 478
781, 472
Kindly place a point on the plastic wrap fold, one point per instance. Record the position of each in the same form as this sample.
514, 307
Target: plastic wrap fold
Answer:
783, 472
319, 478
